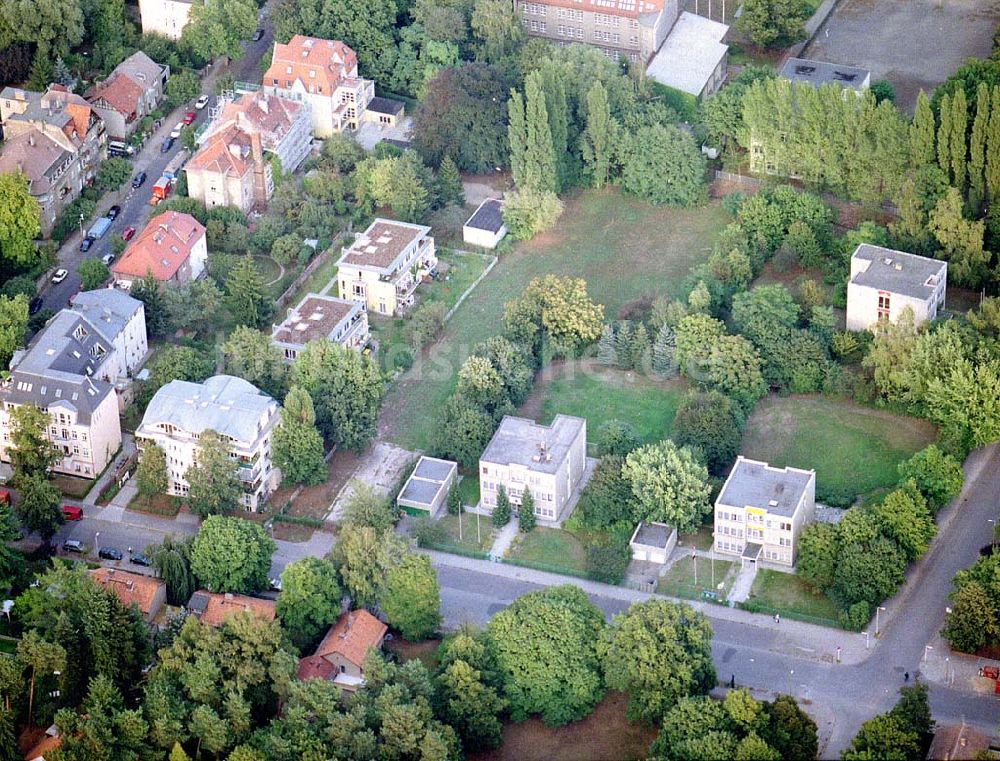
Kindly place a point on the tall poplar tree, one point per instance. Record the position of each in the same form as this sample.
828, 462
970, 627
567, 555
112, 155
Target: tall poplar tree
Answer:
517, 136
555, 105
922, 133
539, 156
959, 145
993, 147
977, 148
596, 140
944, 135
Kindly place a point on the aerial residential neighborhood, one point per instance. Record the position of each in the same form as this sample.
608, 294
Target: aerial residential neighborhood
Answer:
582, 380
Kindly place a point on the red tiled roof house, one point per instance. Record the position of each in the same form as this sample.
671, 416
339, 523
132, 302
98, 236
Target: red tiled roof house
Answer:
341, 655
172, 247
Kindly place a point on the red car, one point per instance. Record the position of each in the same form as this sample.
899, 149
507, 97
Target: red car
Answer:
189, 117
72, 512
128, 232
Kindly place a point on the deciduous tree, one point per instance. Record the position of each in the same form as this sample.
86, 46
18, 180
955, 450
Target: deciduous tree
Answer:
772, 23
172, 561
937, 475
662, 164
214, 484
972, 622
309, 600
411, 600
367, 507
231, 555
470, 706
597, 139
54, 26
31, 453
93, 274
216, 28
961, 240
297, 445
19, 216
37, 507
13, 324
669, 483
922, 133
151, 474
713, 424
364, 557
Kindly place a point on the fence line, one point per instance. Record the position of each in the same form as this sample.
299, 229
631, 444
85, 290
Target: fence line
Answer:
471, 288
310, 268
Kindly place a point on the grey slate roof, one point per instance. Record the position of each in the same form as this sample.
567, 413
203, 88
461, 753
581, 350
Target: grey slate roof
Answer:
519, 440
385, 106
489, 216
225, 404
652, 535
821, 72
107, 309
897, 271
756, 484
425, 484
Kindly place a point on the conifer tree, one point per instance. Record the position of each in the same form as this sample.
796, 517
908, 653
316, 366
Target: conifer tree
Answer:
993, 148
664, 361
944, 135
623, 344
641, 351
539, 156
449, 183
516, 136
501, 513
959, 145
922, 133
607, 354
526, 513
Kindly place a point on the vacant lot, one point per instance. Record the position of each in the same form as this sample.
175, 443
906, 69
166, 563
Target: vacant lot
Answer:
598, 394
914, 44
789, 595
853, 449
625, 249
605, 734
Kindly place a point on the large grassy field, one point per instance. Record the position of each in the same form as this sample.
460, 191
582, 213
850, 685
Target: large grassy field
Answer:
598, 394
625, 249
854, 449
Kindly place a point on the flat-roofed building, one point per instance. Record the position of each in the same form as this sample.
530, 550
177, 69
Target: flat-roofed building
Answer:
760, 512
341, 321
653, 542
547, 460
884, 282
816, 73
693, 59
384, 265
426, 490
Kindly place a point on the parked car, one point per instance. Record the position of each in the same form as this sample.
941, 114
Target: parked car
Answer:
72, 545
72, 512
35, 305
110, 553
5, 498
128, 232
176, 131
138, 180
139, 559
167, 145
86, 243
108, 258
201, 102
114, 211
258, 35
189, 117
60, 274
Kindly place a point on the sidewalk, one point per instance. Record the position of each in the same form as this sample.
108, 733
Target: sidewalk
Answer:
127, 450
810, 641
504, 539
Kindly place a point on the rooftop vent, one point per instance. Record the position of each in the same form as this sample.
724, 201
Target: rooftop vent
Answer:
536, 458
805, 70
842, 76
772, 503
887, 261
898, 267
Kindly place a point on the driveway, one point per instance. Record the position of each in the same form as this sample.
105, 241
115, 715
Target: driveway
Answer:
914, 44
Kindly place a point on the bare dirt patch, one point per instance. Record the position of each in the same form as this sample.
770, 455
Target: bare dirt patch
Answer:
315, 501
381, 468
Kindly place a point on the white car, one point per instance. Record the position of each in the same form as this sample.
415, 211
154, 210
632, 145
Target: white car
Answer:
176, 131
59, 276
107, 259
201, 102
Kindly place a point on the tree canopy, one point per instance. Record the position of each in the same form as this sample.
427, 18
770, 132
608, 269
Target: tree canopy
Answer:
231, 555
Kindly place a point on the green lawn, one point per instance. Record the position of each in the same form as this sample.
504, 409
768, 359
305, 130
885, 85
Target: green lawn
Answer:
787, 594
624, 248
316, 282
702, 538
550, 547
468, 490
680, 580
854, 449
599, 394
468, 541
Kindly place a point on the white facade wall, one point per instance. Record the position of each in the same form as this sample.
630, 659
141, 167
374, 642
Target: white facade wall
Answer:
165, 17
475, 236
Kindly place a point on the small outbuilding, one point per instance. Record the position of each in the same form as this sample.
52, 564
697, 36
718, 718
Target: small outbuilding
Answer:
426, 490
485, 227
653, 542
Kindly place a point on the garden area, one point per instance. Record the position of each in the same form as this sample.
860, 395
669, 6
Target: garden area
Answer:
689, 578
599, 394
855, 450
775, 591
625, 249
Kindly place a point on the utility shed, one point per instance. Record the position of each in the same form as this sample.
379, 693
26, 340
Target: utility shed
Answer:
426, 490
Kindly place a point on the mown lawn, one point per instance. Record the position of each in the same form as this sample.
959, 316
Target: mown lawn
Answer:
788, 594
468, 490
624, 248
550, 547
468, 534
854, 449
683, 580
600, 394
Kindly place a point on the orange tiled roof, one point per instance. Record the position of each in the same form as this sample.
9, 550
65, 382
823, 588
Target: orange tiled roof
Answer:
43, 746
129, 587
225, 152
315, 667
324, 63
218, 607
352, 636
120, 92
162, 247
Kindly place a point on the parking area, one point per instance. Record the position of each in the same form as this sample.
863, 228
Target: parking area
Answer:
915, 44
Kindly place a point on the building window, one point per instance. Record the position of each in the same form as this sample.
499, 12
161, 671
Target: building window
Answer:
883, 305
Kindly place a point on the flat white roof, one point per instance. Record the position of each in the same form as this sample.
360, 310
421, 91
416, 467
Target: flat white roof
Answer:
690, 54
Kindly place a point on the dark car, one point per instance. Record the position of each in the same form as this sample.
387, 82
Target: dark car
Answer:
138, 180
139, 559
258, 35
114, 211
35, 305
167, 145
87, 243
110, 553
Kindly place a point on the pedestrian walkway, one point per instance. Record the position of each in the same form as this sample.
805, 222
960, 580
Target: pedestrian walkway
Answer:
127, 450
744, 581
504, 539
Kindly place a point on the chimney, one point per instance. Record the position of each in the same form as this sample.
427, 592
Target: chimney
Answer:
236, 150
31, 139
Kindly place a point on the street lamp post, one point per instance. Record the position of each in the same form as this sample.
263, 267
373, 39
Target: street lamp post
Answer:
97, 541
866, 639
877, 610
993, 533
81, 222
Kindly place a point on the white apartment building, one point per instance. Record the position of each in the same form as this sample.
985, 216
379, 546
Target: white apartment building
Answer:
884, 282
283, 124
69, 371
760, 512
341, 321
547, 460
324, 75
384, 265
235, 409
165, 17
